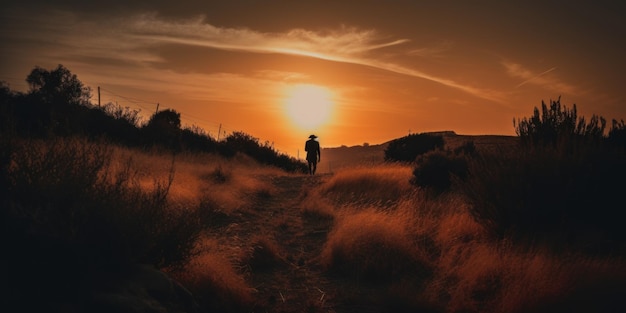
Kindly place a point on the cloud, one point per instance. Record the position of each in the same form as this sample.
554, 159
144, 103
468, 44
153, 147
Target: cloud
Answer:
131, 40
346, 44
539, 79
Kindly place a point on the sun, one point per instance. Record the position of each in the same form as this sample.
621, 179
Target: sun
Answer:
308, 106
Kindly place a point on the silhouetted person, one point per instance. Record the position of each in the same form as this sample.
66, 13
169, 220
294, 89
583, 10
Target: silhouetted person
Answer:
313, 153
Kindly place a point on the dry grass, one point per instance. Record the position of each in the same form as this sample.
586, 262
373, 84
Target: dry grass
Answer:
380, 186
388, 247
262, 255
373, 246
215, 284
201, 177
471, 271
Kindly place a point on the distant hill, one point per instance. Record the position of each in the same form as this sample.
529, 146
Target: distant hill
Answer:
335, 158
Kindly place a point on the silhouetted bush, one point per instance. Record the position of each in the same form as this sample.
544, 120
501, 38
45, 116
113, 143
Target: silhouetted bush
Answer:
263, 153
558, 124
436, 170
195, 139
617, 134
562, 186
407, 148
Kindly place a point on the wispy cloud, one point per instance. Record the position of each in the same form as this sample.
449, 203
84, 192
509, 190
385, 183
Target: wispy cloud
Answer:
539, 79
132, 39
535, 77
346, 44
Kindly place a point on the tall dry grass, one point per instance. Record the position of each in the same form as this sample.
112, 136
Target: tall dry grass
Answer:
380, 186
75, 207
430, 252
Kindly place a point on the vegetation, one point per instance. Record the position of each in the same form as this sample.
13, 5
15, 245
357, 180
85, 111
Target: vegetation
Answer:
436, 170
58, 104
407, 148
85, 196
561, 185
558, 125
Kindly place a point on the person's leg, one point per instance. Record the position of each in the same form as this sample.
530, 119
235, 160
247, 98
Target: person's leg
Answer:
310, 168
314, 167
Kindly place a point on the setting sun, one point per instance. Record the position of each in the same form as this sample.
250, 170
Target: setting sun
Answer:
308, 106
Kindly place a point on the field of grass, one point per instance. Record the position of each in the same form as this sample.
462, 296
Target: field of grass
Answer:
242, 237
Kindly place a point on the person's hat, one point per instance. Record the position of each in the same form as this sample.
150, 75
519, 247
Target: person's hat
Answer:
312, 136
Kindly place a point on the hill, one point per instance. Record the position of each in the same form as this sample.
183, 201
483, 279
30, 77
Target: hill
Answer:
335, 158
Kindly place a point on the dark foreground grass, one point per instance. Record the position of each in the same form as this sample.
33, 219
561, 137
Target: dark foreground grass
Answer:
70, 214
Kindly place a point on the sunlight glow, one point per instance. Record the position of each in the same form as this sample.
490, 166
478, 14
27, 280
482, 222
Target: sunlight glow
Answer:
308, 106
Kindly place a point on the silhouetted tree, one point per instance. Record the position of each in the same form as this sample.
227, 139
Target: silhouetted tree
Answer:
164, 128
58, 86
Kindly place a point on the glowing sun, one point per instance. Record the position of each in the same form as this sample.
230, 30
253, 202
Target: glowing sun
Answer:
308, 106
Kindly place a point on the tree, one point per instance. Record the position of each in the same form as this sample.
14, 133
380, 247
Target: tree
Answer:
164, 128
58, 86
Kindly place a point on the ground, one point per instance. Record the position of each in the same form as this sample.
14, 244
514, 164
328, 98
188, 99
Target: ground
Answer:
283, 245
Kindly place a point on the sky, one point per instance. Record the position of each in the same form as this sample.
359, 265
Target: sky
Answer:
351, 72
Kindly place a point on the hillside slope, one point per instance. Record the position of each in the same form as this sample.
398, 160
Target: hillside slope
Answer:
335, 158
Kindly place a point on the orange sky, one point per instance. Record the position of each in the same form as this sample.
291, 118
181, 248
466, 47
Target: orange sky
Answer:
391, 67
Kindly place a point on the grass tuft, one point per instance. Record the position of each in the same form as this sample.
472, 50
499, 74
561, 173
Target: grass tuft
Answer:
215, 284
373, 247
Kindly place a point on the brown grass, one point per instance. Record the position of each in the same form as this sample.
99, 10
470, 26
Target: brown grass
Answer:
262, 255
380, 186
215, 284
389, 248
373, 247
471, 271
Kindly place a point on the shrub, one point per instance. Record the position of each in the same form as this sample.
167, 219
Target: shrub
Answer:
560, 186
549, 192
263, 153
435, 170
558, 124
407, 148
617, 134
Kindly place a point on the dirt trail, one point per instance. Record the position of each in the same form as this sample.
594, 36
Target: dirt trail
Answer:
293, 282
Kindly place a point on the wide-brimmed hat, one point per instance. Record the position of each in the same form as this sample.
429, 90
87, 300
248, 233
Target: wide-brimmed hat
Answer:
312, 136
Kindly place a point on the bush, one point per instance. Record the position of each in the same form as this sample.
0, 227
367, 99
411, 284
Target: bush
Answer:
549, 192
561, 186
407, 148
558, 124
617, 135
263, 153
436, 170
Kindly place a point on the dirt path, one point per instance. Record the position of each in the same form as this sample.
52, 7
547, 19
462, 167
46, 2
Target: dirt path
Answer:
283, 246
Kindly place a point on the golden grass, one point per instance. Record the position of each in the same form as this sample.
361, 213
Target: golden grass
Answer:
215, 283
193, 175
381, 186
384, 232
471, 271
373, 246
